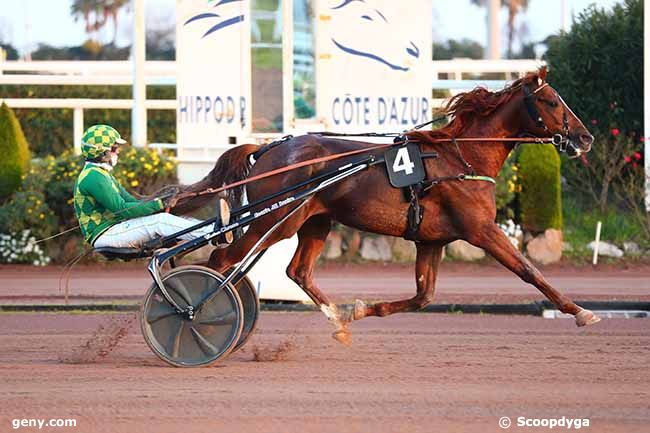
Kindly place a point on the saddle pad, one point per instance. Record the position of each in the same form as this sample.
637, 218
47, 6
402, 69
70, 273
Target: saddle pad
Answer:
404, 165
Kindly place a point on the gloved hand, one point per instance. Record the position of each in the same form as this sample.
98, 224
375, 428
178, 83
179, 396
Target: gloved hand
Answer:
169, 202
170, 198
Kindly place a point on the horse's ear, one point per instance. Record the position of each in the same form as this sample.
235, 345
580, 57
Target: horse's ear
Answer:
542, 75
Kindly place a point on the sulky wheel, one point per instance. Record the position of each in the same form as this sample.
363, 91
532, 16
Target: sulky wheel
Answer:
212, 333
251, 303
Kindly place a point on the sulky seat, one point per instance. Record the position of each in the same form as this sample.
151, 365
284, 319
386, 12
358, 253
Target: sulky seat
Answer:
125, 254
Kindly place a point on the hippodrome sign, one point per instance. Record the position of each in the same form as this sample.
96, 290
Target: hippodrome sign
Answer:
212, 87
213, 91
374, 63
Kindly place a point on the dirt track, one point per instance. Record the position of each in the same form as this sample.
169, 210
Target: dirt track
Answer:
457, 283
412, 372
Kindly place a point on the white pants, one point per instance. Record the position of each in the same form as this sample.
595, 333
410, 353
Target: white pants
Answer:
135, 232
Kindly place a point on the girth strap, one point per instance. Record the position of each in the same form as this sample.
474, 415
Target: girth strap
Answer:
414, 193
415, 212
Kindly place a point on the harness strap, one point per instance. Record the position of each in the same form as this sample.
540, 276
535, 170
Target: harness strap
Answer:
354, 152
413, 194
283, 170
476, 177
415, 212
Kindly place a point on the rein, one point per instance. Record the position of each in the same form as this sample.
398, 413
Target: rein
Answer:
364, 150
283, 170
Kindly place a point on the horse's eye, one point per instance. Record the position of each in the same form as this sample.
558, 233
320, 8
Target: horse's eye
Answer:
552, 104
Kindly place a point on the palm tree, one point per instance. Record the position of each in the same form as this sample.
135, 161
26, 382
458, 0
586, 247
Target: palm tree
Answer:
514, 7
96, 13
111, 10
89, 11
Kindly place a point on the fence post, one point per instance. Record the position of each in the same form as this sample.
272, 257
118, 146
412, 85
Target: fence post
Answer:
493, 50
646, 103
139, 111
77, 128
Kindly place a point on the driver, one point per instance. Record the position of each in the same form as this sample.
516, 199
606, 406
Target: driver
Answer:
108, 215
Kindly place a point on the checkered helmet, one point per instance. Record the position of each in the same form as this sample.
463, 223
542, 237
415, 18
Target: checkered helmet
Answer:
98, 139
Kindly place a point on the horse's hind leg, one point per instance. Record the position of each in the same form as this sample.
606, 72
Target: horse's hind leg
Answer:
426, 270
311, 240
495, 242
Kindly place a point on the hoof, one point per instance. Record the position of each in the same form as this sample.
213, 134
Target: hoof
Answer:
343, 337
586, 318
359, 310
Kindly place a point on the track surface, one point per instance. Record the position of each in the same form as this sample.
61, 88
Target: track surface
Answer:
457, 283
406, 373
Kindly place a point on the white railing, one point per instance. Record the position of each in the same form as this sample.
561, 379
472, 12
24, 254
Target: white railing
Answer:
91, 73
458, 74
453, 75
79, 105
464, 74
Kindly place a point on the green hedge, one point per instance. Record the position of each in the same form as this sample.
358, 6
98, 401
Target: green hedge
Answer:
541, 191
598, 65
49, 131
14, 153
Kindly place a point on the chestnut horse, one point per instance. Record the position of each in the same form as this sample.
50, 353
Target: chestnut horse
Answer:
453, 210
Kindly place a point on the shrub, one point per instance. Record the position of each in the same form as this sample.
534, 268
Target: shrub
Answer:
20, 248
44, 201
601, 50
141, 171
594, 177
541, 193
598, 69
14, 151
28, 210
144, 171
507, 188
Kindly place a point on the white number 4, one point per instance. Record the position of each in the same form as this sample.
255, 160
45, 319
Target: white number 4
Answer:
403, 161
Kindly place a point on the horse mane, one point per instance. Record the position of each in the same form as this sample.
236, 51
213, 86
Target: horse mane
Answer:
480, 102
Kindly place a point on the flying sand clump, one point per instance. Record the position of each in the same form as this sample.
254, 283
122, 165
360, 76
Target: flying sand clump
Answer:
103, 340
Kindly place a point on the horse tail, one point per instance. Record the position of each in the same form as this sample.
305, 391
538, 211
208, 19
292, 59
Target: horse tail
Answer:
232, 166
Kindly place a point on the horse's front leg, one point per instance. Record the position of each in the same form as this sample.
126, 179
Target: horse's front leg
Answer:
311, 241
494, 241
426, 270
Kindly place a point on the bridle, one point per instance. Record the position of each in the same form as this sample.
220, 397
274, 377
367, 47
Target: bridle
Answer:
562, 141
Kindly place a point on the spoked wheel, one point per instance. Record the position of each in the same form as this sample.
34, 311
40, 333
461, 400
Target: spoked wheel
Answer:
251, 303
184, 342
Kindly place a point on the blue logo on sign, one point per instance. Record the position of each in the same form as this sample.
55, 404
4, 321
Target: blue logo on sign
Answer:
370, 16
221, 24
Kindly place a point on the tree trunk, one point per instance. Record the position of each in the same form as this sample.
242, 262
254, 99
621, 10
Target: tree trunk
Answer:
511, 32
604, 193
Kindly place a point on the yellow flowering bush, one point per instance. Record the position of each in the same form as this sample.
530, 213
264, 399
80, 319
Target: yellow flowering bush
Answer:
28, 211
144, 170
44, 202
507, 187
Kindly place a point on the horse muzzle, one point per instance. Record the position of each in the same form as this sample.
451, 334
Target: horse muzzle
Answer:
574, 146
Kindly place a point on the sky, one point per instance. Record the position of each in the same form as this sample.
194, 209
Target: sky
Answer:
25, 23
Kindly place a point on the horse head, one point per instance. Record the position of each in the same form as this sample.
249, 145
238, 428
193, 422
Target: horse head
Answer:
548, 114
376, 45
